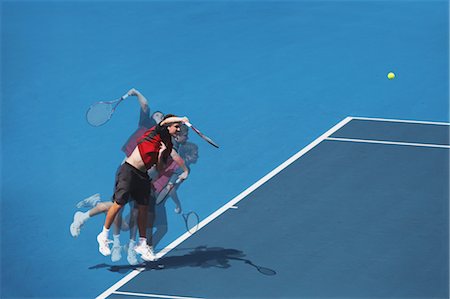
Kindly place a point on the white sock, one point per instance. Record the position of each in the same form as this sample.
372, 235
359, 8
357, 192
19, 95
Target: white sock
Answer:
116, 239
131, 245
105, 231
85, 216
142, 241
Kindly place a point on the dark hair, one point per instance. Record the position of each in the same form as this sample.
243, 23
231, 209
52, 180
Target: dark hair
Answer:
187, 149
157, 111
168, 115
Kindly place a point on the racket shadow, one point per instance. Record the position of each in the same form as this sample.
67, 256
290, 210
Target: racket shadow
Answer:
199, 257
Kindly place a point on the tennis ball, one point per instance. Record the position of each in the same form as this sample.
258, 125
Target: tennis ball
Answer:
391, 75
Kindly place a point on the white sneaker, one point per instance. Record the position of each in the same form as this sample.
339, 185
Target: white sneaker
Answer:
131, 257
116, 254
89, 202
76, 225
103, 244
146, 252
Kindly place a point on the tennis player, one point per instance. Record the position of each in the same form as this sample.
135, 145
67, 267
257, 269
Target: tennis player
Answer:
132, 180
166, 179
146, 121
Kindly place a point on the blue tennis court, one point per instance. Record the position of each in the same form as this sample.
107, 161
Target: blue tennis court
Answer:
362, 212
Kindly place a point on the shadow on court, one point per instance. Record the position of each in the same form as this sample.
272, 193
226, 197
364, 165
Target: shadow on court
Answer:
199, 257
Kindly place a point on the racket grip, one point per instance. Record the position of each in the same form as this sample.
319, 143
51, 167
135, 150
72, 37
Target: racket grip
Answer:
188, 124
125, 96
178, 181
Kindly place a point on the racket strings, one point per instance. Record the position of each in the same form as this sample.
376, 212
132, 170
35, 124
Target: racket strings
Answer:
99, 113
192, 222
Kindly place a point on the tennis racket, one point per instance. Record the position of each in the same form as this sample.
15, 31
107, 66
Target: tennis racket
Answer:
100, 112
165, 191
262, 270
206, 138
191, 221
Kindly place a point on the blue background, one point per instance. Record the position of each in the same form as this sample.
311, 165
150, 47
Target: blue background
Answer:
263, 78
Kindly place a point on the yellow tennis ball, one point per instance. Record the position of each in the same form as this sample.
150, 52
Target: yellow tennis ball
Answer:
391, 76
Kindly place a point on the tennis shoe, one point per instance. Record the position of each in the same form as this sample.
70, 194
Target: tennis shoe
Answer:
103, 244
146, 252
89, 202
116, 254
75, 227
132, 257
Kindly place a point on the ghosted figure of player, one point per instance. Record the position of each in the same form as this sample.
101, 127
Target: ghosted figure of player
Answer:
168, 180
98, 207
133, 182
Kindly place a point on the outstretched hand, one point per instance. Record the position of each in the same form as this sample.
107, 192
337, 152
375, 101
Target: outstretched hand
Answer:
133, 92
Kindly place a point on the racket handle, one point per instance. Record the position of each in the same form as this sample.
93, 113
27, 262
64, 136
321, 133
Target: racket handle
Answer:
178, 181
124, 96
188, 124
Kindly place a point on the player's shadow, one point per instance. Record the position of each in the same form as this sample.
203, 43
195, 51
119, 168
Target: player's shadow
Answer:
199, 257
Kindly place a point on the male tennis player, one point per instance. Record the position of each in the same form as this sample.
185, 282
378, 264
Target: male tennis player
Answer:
153, 148
167, 179
146, 121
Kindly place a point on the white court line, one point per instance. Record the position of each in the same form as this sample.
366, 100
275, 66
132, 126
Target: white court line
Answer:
388, 142
246, 192
403, 121
120, 283
227, 206
154, 295
448, 6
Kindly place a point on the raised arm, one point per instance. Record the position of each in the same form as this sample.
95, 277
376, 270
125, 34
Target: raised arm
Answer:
175, 119
177, 158
142, 100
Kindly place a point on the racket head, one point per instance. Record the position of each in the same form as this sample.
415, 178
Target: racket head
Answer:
165, 191
266, 271
262, 270
99, 113
191, 220
162, 196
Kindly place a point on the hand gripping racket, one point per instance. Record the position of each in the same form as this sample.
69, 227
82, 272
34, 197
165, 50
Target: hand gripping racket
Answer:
206, 138
165, 191
100, 112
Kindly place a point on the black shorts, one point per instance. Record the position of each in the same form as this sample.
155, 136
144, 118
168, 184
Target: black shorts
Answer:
131, 183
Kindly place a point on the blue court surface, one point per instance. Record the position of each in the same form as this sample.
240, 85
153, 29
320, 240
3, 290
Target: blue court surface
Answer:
362, 212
